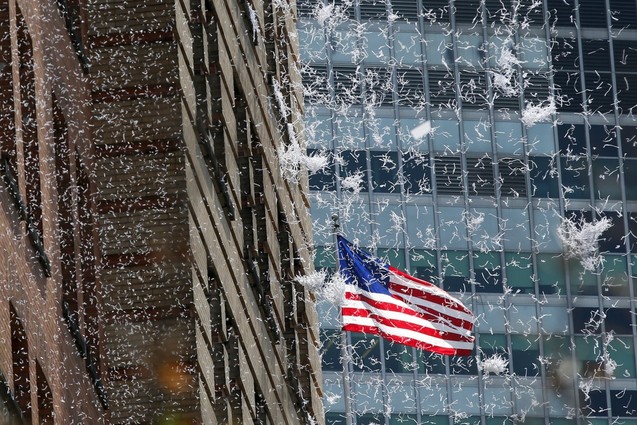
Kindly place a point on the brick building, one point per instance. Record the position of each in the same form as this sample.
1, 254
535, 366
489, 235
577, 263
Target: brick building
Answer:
149, 241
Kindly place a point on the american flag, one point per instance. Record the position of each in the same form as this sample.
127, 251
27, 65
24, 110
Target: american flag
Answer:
382, 300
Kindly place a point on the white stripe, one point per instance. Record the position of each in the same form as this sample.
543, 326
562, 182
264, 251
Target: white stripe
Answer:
430, 307
460, 313
419, 321
405, 333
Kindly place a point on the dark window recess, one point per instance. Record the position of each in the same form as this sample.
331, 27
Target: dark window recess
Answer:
436, 10
448, 171
9, 404
536, 88
473, 90
323, 179
599, 91
568, 87
480, 176
465, 365
619, 321
626, 91
488, 280
468, 11
70, 10
513, 177
564, 54
378, 90
315, 84
623, 14
45, 397
587, 320
596, 55
384, 167
629, 141
411, 87
406, 10
594, 403
441, 88
562, 12
373, 10
572, 139
612, 240
417, 173
575, 177
625, 55
592, 14
603, 140
354, 163
346, 85
543, 174
623, 403
525, 362
456, 284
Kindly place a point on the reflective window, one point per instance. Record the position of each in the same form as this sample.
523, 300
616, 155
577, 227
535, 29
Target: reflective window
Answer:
544, 177
540, 139
376, 47
381, 132
532, 52
390, 225
384, 167
366, 354
629, 140
469, 50
572, 139
488, 273
525, 355
344, 44
331, 350
575, 177
453, 229
508, 136
550, 273
394, 257
354, 163
613, 239
324, 179
606, 178
404, 419
422, 264
582, 282
439, 49
623, 402
603, 140
455, 269
477, 136
430, 362
621, 351
420, 225
398, 358
554, 319
446, 136
417, 173
519, 272
515, 227
614, 276
407, 48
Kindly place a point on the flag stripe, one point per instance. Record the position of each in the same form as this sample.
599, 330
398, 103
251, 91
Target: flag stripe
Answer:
388, 310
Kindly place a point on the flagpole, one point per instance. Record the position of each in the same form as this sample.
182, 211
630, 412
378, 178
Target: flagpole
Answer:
345, 355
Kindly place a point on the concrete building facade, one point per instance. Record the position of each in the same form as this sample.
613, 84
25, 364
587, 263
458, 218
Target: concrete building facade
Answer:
150, 242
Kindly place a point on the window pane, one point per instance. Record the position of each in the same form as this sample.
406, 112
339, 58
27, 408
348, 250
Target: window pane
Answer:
430, 362
395, 257
621, 350
439, 49
325, 179
422, 264
630, 176
554, 319
407, 48
623, 403
603, 140
543, 173
572, 139
446, 136
508, 136
606, 178
385, 171
615, 276
381, 132
453, 230
331, 349
515, 225
420, 226
417, 172
398, 358
477, 136
526, 354
519, 272
455, 266
629, 141
366, 352
354, 163
575, 177
540, 139
551, 275
488, 272
582, 281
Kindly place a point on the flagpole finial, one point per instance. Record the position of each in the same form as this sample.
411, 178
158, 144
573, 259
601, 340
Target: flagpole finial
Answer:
335, 223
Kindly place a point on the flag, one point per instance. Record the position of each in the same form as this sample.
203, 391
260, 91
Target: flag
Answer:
382, 300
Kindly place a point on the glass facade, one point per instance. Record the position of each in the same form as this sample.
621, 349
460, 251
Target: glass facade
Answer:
474, 205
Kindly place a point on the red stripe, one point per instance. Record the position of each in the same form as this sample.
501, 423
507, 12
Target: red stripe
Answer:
380, 305
418, 294
401, 324
438, 299
408, 341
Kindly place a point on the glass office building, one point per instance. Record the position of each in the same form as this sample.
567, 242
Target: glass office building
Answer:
474, 205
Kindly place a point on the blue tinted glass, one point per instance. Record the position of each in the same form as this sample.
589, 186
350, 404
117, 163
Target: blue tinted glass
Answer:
385, 171
544, 182
572, 138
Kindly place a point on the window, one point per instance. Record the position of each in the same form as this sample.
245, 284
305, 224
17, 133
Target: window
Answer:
398, 358
417, 173
525, 355
430, 362
603, 140
488, 273
519, 272
575, 180
366, 356
551, 275
587, 320
623, 402
324, 179
455, 267
384, 167
354, 163
423, 265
